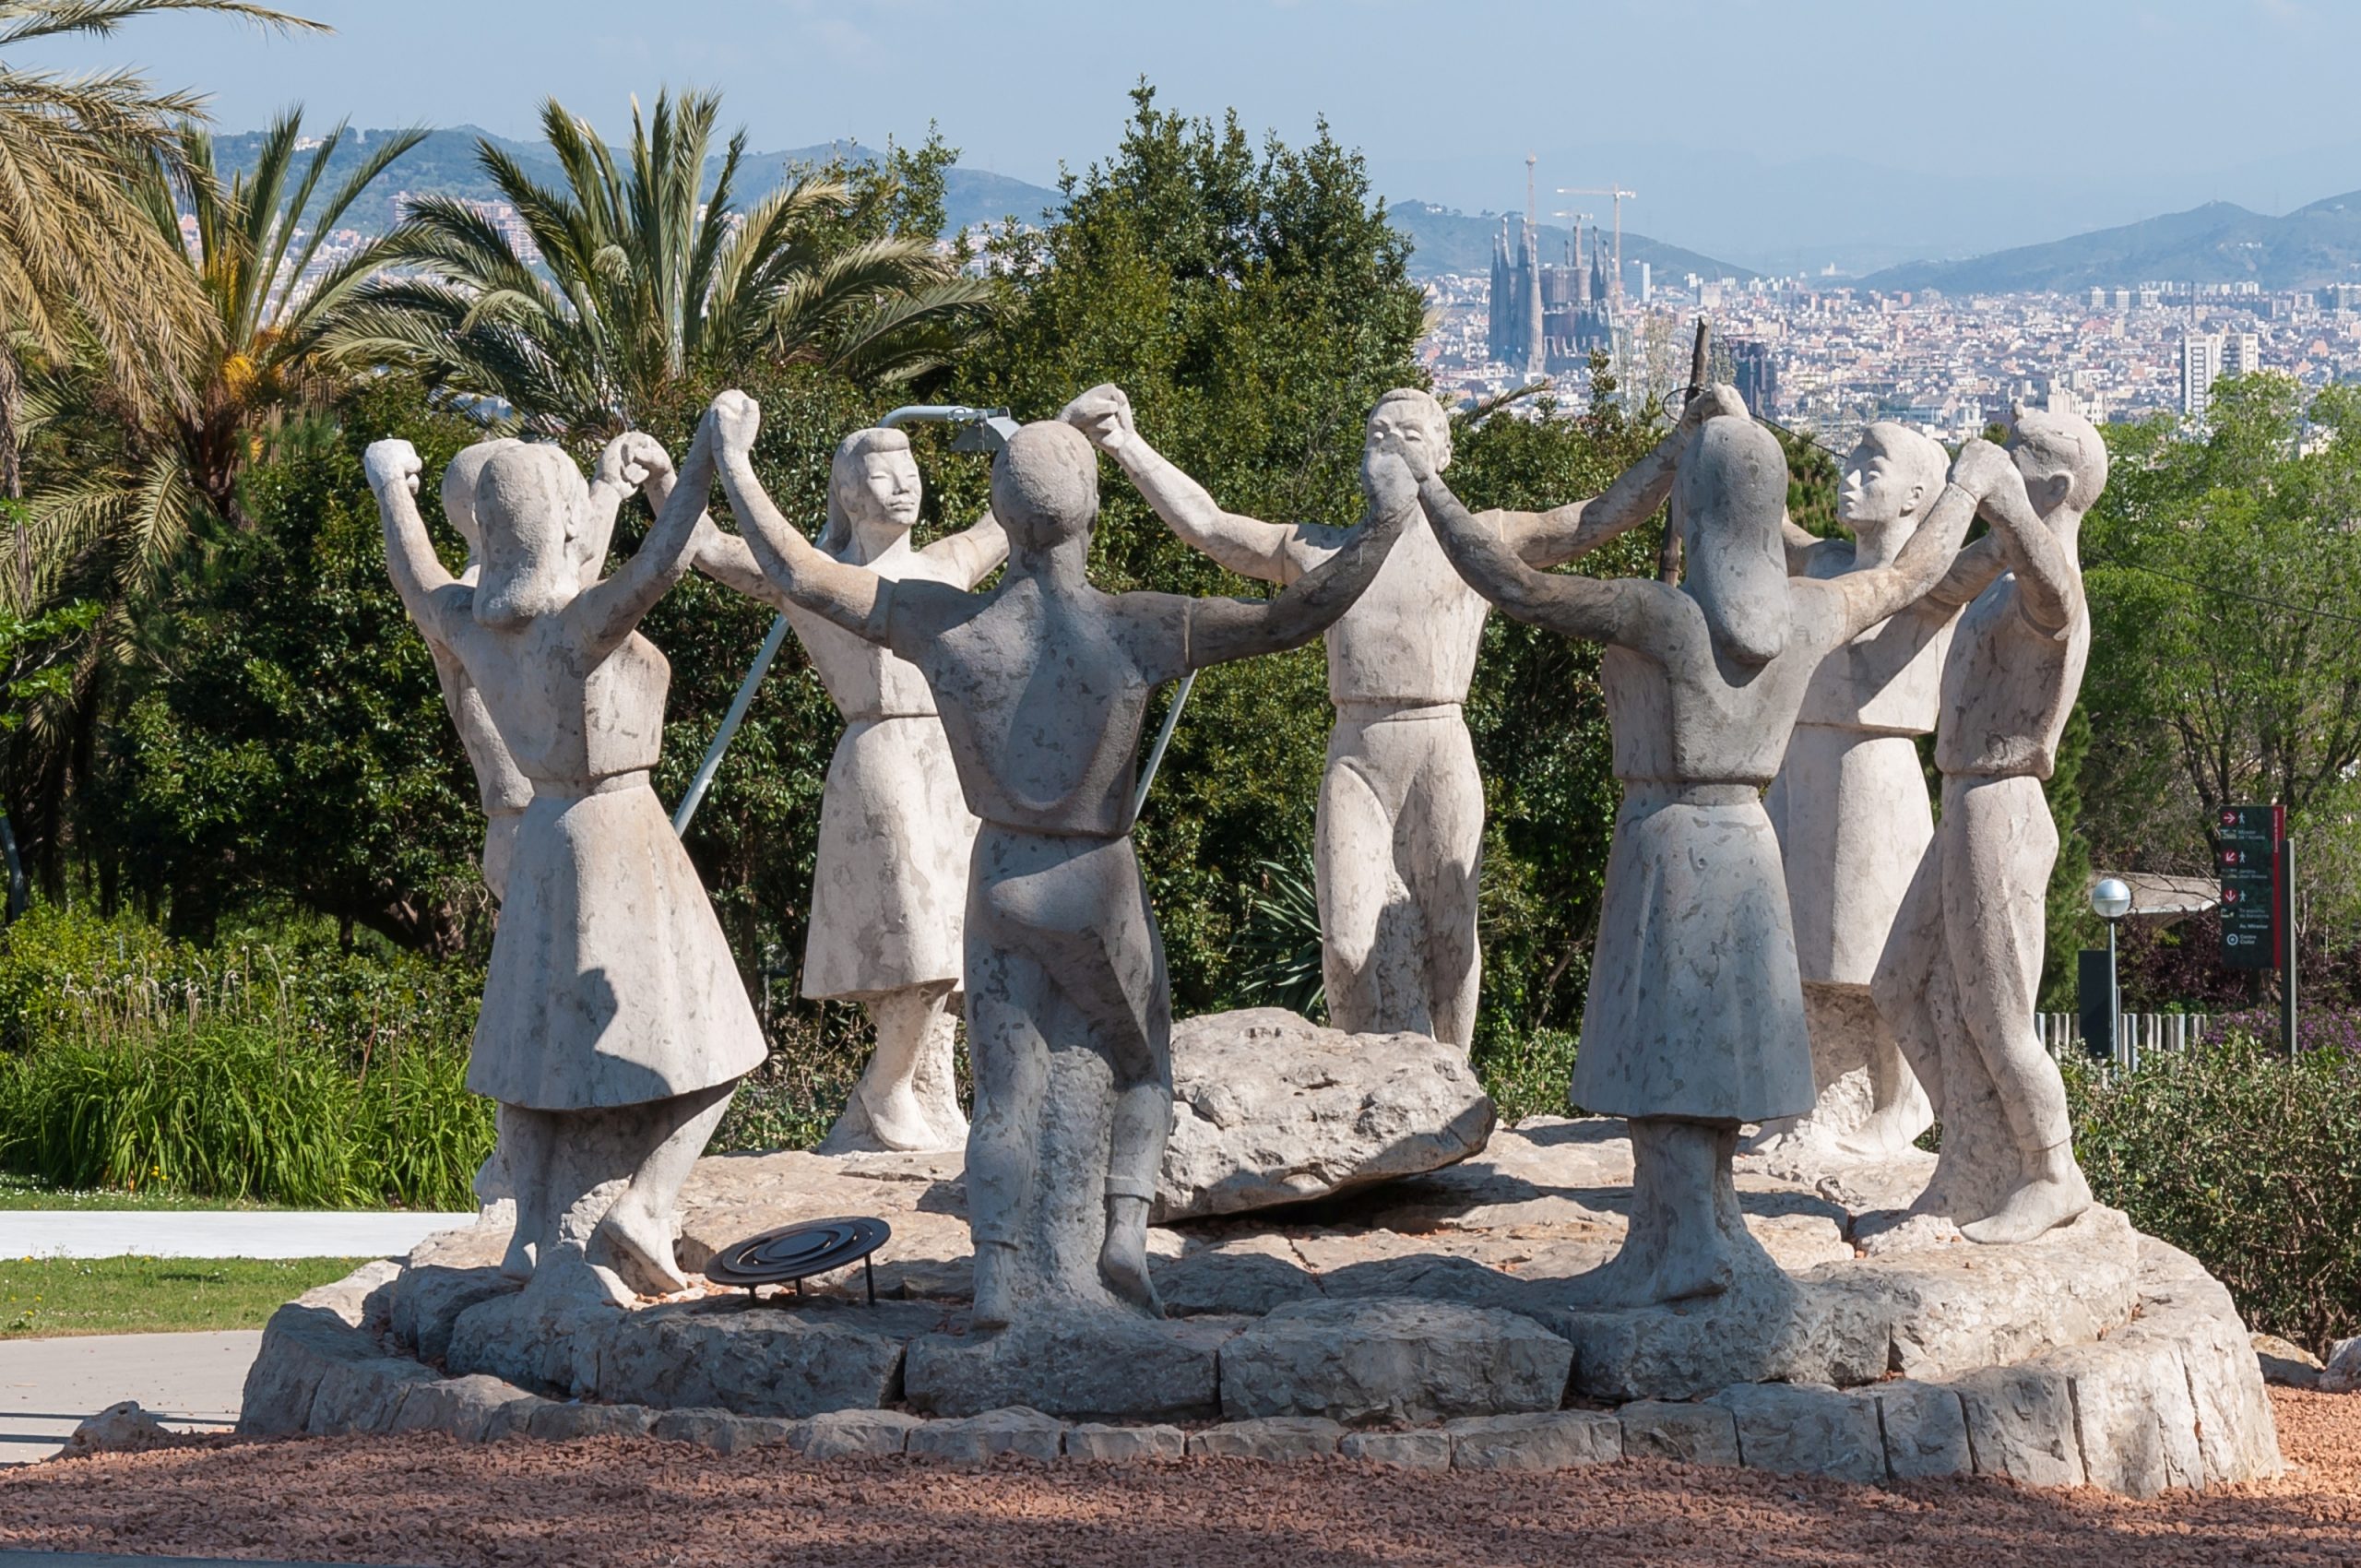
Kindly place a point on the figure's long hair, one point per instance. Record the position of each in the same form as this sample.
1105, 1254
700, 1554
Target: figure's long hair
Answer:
1734, 495
845, 478
528, 571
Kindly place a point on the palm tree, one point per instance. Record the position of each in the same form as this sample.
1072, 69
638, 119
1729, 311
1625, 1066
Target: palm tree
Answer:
256, 357
77, 252
623, 286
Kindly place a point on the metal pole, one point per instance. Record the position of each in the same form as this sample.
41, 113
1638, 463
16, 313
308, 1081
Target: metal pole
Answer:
729, 722
2284, 918
1163, 739
2114, 1002
19, 895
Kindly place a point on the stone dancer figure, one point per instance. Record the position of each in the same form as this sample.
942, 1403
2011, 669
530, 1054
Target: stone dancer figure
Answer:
628, 463
1043, 683
1695, 1020
1399, 834
1849, 804
890, 887
1959, 975
614, 1025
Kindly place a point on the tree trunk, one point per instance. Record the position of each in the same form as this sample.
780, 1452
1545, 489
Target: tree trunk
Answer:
12, 473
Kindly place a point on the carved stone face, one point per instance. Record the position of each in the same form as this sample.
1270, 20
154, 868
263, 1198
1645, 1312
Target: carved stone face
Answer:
887, 490
529, 505
1411, 420
1892, 476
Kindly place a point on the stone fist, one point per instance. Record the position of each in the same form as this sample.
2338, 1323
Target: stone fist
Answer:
1982, 467
1712, 402
392, 462
1104, 414
737, 419
633, 458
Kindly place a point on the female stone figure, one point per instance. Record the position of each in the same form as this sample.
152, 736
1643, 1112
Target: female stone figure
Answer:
1043, 684
890, 886
1695, 1019
614, 1025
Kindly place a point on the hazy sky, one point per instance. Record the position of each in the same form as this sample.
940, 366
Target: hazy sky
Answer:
1771, 134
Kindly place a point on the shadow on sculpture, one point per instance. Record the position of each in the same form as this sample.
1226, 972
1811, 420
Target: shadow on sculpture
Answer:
613, 1025
1042, 683
1694, 1024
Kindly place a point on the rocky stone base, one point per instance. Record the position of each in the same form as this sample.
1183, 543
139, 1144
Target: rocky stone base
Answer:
1423, 1324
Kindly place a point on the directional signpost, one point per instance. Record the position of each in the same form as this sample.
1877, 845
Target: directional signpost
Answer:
2257, 861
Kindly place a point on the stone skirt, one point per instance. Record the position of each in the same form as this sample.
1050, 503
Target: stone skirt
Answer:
889, 887
1696, 1009
610, 982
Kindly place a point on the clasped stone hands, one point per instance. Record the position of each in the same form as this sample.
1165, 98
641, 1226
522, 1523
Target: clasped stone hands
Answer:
389, 462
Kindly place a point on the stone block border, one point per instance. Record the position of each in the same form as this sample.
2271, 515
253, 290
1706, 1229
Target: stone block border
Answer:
2172, 1399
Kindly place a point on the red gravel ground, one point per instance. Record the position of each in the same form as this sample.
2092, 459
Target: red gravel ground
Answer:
426, 1500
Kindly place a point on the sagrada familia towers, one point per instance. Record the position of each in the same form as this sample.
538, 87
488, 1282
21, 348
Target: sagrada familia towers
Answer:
1547, 318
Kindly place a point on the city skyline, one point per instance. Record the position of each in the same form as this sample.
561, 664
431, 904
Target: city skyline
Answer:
1830, 170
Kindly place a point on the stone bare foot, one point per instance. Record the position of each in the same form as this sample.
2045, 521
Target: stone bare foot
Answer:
517, 1262
640, 1246
995, 1302
1122, 1263
896, 1120
2038, 1207
1651, 1278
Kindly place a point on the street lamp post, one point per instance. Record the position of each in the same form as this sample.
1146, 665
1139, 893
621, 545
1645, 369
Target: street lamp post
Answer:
2111, 900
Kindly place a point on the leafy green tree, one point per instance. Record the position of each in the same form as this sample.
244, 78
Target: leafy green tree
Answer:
1254, 303
2225, 575
292, 747
627, 286
78, 254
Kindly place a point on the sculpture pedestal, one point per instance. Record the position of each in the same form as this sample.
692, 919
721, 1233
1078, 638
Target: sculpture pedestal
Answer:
1427, 1316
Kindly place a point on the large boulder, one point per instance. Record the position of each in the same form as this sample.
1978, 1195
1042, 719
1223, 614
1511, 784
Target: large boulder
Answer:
1273, 1109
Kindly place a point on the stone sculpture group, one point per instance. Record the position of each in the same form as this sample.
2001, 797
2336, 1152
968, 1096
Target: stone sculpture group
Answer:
1823, 962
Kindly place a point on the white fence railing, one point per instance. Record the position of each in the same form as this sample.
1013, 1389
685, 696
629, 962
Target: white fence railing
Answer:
2135, 1033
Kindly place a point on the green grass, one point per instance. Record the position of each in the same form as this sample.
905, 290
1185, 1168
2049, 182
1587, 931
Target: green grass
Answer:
50, 1296
21, 1192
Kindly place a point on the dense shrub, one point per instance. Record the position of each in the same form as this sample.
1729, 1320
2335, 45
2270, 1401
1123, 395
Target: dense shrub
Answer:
287, 1072
2245, 1159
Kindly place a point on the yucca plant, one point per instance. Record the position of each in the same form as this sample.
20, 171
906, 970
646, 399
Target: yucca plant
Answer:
629, 282
1282, 935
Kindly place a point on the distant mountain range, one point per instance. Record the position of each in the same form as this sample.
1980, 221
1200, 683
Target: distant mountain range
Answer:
444, 164
2219, 242
1449, 241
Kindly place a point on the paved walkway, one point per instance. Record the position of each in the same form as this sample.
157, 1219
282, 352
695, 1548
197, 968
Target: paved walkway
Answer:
245, 1233
50, 1387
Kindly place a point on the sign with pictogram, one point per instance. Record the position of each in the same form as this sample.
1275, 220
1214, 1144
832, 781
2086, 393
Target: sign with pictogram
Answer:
2246, 856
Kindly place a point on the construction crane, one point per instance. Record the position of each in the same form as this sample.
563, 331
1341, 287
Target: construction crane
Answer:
1619, 195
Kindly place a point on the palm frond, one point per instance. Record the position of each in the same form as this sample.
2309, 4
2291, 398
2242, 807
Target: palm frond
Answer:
24, 20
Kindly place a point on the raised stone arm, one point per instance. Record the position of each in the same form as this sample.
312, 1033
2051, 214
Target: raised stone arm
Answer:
434, 599
1971, 572
1224, 629
974, 553
849, 596
1802, 546
2049, 579
1248, 546
1983, 475
1605, 611
1569, 532
607, 612
723, 557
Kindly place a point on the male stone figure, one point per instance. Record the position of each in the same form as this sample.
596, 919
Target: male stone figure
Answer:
1958, 975
1849, 804
1042, 683
1696, 1021
1399, 835
890, 886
